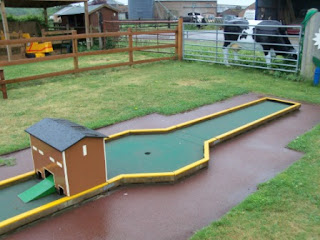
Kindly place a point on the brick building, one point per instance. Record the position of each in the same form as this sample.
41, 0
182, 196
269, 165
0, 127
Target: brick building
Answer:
72, 17
179, 8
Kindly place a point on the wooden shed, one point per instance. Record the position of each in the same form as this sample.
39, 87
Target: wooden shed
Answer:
73, 154
72, 17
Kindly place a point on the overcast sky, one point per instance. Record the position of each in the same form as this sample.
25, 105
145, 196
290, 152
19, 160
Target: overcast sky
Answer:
232, 2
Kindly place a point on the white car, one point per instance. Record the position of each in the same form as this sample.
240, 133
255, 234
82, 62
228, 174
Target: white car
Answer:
196, 17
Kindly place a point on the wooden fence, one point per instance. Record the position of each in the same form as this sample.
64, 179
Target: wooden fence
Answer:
76, 54
139, 25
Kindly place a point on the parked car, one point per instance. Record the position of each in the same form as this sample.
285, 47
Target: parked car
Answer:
227, 18
196, 17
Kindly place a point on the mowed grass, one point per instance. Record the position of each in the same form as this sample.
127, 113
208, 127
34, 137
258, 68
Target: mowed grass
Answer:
100, 98
283, 208
286, 207
67, 64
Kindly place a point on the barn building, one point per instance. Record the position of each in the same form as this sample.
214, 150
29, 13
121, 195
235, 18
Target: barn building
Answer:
73, 154
181, 8
72, 17
287, 11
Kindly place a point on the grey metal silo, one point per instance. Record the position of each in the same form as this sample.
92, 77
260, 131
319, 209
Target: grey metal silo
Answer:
142, 9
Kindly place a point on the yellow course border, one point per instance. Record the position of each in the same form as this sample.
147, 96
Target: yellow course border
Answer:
49, 208
15, 180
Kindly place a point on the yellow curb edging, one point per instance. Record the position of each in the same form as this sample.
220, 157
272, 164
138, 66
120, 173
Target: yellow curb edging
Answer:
16, 221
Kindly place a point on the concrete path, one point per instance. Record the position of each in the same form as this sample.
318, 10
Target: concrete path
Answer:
177, 211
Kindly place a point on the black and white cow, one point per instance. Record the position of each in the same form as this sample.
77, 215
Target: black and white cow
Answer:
243, 34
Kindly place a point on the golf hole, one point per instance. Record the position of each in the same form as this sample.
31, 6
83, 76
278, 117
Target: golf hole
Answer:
147, 153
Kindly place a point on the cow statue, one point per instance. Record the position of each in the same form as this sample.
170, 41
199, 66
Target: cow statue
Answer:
268, 37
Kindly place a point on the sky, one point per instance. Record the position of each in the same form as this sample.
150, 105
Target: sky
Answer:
231, 2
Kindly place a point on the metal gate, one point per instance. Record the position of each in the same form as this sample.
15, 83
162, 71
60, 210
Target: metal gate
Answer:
207, 43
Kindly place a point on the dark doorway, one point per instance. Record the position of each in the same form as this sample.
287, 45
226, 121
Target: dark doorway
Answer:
47, 173
60, 191
39, 175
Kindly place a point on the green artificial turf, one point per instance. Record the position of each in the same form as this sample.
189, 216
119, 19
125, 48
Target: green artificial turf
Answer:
156, 153
283, 208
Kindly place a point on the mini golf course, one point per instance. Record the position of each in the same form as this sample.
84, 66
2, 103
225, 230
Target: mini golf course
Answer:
156, 155
11, 205
167, 152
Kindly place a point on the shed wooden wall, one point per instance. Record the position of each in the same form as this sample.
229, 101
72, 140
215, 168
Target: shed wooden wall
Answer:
88, 171
107, 15
42, 162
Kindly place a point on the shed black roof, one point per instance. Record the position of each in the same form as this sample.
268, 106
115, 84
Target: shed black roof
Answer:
60, 133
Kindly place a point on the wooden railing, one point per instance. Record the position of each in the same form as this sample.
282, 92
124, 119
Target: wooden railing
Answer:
76, 54
136, 25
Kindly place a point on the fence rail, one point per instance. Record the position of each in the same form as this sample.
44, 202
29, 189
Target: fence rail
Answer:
201, 45
218, 44
129, 34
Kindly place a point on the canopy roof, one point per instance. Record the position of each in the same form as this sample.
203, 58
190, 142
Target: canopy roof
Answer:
39, 3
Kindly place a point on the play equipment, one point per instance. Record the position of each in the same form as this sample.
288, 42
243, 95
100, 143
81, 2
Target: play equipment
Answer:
36, 49
40, 190
64, 151
33, 49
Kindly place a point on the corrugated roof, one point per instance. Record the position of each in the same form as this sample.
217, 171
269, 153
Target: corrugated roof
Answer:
60, 133
61, 11
74, 10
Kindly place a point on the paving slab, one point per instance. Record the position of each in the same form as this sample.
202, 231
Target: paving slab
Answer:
177, 211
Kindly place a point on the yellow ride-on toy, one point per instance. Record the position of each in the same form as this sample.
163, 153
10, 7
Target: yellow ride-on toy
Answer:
35, 49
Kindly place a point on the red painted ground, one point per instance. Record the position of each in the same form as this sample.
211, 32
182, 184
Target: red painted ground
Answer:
176, 211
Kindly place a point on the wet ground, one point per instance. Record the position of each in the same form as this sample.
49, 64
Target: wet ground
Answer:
176, 211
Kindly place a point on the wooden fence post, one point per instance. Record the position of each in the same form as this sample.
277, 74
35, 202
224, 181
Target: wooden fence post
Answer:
180, 38
76, 54
3, 85
177, 42
22, 46
86, 23
75, 51
130, 47
5, 29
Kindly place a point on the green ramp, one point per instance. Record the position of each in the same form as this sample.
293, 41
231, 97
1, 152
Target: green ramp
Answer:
42, 189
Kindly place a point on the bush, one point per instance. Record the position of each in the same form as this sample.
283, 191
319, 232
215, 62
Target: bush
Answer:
35, 18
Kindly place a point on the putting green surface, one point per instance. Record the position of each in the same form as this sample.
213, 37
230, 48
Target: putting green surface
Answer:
150, 153
167, 152
11, 205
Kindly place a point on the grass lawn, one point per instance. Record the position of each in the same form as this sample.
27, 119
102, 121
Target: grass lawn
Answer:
7, 162
100, 98
286, 207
